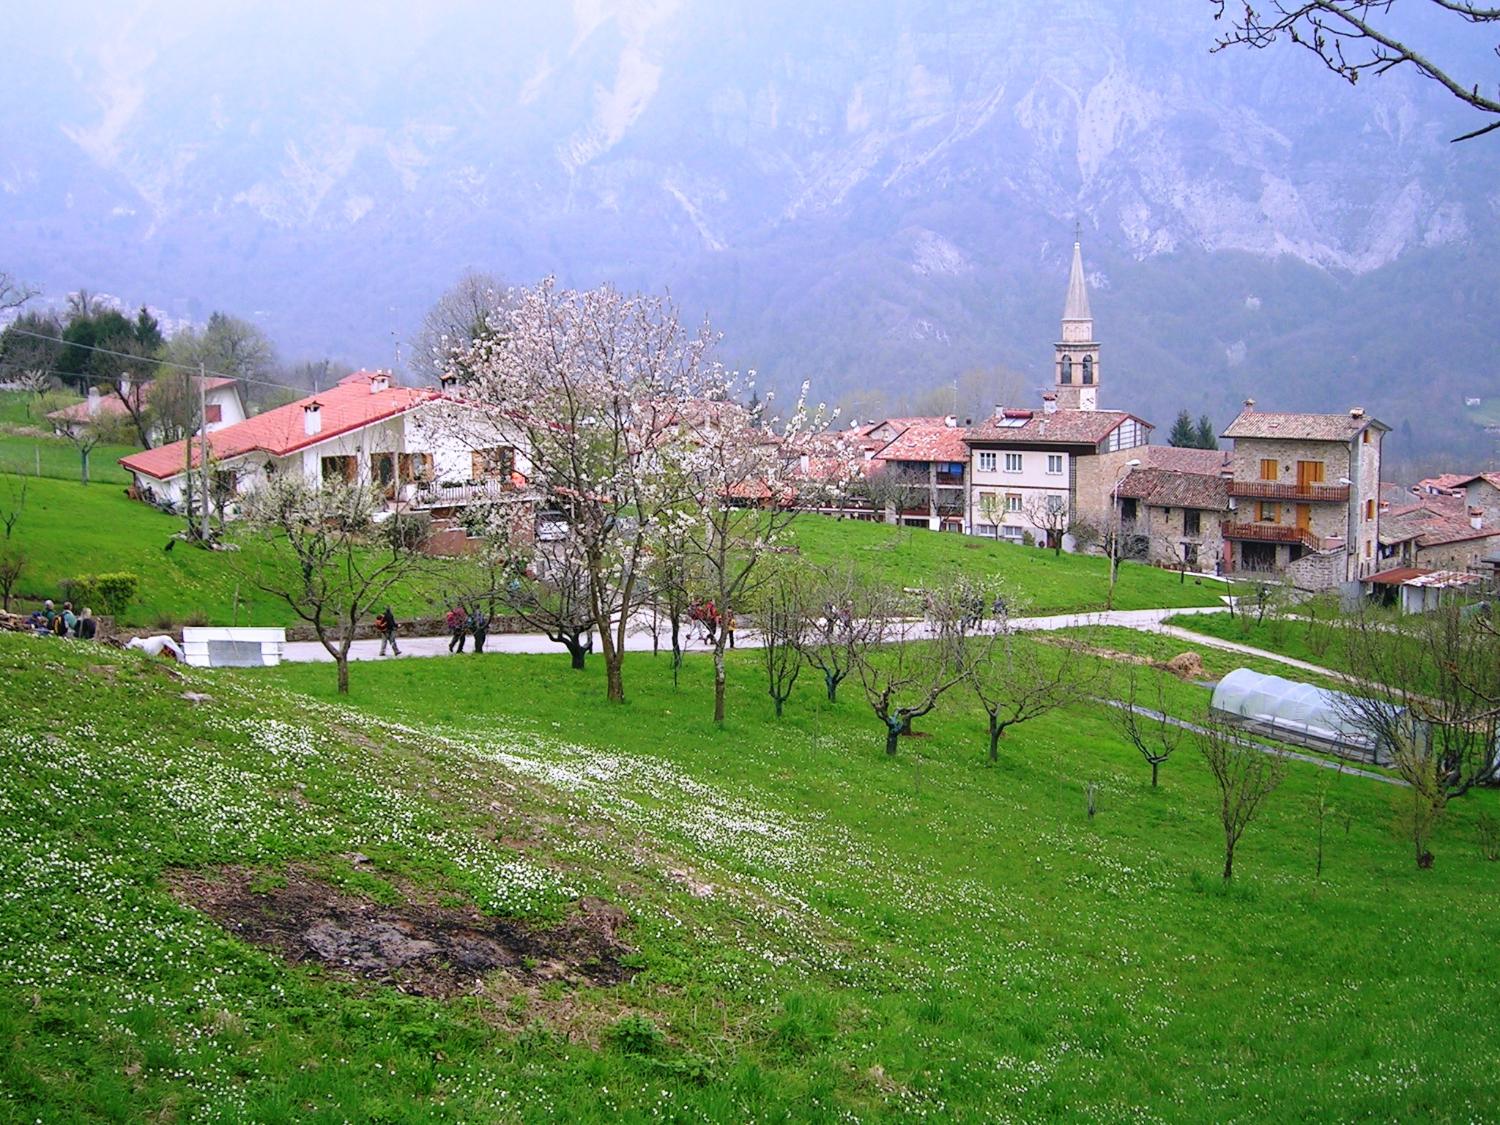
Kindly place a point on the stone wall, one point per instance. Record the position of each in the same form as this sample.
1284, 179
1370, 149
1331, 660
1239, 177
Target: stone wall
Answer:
1321, 571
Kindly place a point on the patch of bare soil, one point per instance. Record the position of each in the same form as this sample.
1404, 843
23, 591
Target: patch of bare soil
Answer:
418, 947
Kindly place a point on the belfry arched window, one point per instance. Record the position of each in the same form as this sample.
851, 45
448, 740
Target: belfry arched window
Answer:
1067, 369
1088, 369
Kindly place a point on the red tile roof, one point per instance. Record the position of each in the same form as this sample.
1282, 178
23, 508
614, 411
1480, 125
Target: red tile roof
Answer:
1179, 460
348, 406
925, 442
1165, 488
1299, 427
1061, 427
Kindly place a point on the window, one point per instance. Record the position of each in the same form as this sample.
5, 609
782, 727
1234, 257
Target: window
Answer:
1012, 501
1367, 548
1055, 464
986, 461
1012, 532
339, 469
1190, 554
1067, 369
494, 464
213, 413
1127, 510
1055, 503
1269, 470
1365, 438
1012, 462
1088, 369
1309, 473
416, 467
1369, 509
987, 502
1191, 523
985, 529
1267, 512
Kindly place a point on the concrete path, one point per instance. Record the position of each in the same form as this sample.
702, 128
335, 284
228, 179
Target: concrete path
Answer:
638, 639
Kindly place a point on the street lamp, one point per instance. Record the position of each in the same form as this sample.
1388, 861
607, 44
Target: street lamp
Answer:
1114, 541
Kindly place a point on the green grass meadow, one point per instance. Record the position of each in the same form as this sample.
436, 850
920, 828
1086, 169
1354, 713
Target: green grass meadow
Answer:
820, 932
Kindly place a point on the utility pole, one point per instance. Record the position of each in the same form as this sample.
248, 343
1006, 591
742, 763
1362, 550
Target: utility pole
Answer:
203, 444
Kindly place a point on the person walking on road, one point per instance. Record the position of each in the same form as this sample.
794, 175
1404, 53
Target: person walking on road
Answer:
386, 625
479, 625
457, 622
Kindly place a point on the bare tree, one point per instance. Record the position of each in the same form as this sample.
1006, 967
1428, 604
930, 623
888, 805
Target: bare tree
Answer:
552, 596
783, 615
456, 320
846, 622
13, 292
1355, 37
588, 383
1018, 679
1155, 735
905, 675
1245, 773
12, 566
329, 561
88, 434
12, 502
890, 491
1049, 514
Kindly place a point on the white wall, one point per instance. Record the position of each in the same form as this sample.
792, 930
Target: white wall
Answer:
1031, 482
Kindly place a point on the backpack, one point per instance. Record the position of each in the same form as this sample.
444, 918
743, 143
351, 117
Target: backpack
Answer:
381, 624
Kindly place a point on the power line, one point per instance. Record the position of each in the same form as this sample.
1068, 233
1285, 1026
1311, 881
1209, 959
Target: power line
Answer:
192, 368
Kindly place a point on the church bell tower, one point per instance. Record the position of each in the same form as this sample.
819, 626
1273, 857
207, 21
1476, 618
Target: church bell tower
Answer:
1077, 353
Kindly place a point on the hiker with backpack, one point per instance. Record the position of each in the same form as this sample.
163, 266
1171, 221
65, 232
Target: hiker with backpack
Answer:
479, 626
385, 625
457, 622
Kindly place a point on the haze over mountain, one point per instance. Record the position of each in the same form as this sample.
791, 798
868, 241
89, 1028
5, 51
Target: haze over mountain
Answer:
876, 197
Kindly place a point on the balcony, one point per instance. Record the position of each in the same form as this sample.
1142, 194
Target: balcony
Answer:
1306, 493
462, 495
950, 501
1279, 533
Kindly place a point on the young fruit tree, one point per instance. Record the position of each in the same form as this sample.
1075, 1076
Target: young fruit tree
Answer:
1431, 700
88, 434
1017, 679
1153, 732
741, 482
783, 616
905, 670
329, 559
588, 383
551, 594
1049, 514
843, 624
12, 566
1245, 774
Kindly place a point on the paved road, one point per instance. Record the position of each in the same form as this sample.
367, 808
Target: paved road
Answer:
638, 639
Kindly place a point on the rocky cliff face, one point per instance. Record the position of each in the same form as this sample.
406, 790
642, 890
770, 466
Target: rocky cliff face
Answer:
864, 198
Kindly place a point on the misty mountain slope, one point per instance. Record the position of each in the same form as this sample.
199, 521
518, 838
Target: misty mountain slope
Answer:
866, 199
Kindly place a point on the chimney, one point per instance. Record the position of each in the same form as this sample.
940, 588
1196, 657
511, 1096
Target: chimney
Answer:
380, 381
1249, 406
1356, 412
999, 410
950, 421
312, 418
93, 401
1049, 403
1476, 518
447, 380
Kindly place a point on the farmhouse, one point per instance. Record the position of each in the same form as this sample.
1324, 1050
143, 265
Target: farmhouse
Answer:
221, 402
363, 430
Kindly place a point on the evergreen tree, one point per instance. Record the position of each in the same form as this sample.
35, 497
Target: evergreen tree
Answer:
1206, 438
1183, 435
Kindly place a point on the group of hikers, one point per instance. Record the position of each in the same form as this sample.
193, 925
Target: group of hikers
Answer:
49, 621
461, 624
712, 620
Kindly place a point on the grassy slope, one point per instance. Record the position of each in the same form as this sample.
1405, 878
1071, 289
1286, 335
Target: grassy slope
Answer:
1045, 582
27, 447
68, 529
918, 937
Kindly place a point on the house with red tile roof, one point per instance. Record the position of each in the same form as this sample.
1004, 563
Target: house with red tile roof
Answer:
365, 429
920, 475
222, 404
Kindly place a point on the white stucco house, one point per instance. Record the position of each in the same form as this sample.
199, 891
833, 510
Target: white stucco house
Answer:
364, 429
222, 404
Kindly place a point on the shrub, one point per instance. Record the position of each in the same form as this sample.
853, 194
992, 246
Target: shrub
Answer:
107, 594
637, 1035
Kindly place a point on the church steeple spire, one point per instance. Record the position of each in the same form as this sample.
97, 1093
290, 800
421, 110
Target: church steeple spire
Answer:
1077, 354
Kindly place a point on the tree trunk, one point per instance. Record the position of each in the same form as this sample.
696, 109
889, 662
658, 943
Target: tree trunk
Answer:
84, 456
1228, 861
832, 683
994, 740
576, 651
906, 724
719, 678
892, 738
615, 682
778, 705
342, 660
1154, 766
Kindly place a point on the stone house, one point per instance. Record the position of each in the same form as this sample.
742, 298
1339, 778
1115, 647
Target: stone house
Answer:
1173, 508
1305, 495
1437, 536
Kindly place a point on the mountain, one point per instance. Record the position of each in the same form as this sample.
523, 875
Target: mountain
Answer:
878, 198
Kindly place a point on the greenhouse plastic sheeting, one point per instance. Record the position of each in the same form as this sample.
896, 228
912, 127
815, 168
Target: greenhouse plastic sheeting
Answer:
1297, 711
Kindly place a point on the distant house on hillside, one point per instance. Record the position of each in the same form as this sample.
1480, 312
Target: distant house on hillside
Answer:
925, 468
222, 404
364, 430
